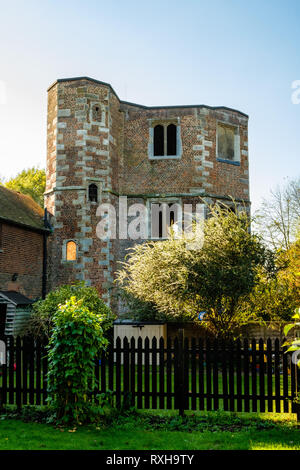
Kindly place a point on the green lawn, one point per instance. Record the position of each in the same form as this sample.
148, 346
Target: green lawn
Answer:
157, 431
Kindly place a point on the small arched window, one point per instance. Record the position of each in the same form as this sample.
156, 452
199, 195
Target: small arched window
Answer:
97, 113
71, 251
93, 193
171, 139
158, 140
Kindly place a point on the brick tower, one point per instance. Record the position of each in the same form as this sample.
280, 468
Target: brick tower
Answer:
83, 141
100, 148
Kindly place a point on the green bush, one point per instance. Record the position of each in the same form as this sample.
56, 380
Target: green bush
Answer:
41, 321
75, 343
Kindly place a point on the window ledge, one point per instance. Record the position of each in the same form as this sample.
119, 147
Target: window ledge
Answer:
164, 157
231, 162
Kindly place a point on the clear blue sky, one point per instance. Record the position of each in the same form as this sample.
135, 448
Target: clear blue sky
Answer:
236, 53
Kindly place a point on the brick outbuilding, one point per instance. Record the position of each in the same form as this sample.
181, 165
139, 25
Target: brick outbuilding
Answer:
22, 245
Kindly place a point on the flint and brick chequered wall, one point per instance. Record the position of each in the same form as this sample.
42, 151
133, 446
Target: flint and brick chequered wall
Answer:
112, 151
22, 253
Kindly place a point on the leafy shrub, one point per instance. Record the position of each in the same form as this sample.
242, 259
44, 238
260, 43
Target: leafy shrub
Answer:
211, 269
76, 340
41, 321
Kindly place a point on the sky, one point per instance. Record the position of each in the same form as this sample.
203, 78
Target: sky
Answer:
236, 53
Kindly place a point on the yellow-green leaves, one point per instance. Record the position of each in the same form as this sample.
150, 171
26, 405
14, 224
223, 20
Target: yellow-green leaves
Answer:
76, 341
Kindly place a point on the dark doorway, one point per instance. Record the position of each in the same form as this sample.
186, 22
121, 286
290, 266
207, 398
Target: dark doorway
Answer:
3, 308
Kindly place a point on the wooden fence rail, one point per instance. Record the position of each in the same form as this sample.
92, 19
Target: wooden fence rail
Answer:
173, 374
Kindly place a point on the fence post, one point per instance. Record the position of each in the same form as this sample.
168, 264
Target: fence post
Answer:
181, 398
297, 407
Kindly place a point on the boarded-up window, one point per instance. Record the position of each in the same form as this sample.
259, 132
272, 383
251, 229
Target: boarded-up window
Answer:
71, 251
226, 142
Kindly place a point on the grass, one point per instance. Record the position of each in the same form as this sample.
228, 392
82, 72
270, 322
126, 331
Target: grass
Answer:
156, 431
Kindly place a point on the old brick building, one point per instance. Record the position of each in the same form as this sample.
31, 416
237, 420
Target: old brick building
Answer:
22, 244
100, 148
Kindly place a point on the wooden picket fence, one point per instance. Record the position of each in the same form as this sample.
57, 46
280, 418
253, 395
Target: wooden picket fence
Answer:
174, 374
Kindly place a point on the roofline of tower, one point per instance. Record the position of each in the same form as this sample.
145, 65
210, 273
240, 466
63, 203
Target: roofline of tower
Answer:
61, 80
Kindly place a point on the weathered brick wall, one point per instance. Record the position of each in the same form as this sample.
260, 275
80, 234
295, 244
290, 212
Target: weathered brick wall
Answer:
87, 151
198, 170
51, 148
21, 253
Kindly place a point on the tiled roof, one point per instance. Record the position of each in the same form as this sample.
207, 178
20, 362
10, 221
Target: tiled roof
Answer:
21, 209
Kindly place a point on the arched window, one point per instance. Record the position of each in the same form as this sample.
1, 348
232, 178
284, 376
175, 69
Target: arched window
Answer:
168, 219
171, 139
158, 140
71, 251
165, 140
97, 113
93, 193
163, 216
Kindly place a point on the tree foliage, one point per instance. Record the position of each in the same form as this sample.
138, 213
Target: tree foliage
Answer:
277, 294
76, 340
294, 345
278, 220
31, 182
139, 310
181, 281
41, 321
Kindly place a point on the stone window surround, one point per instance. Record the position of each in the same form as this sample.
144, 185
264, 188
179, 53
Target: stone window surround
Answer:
237, 144
64, 250
164, 122
98, 183
160, 200
103, 113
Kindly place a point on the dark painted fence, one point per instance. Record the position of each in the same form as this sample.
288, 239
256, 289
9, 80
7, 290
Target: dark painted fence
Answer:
179, 374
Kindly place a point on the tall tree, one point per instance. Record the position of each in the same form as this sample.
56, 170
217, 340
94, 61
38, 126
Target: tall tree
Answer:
31, 182
278, 219
277, 294
182, 281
